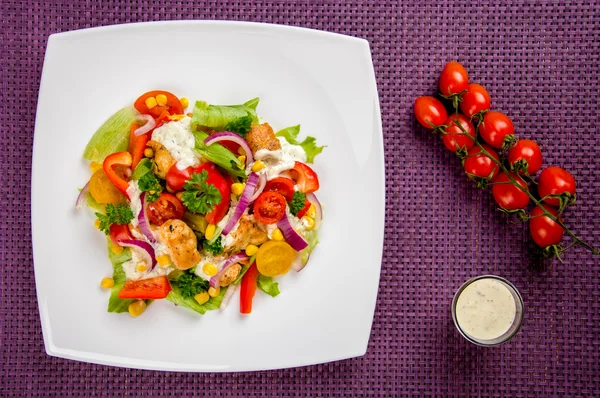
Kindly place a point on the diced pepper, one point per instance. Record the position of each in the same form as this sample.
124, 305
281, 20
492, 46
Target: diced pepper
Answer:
153, 288
117, 159
248, 289
137, 144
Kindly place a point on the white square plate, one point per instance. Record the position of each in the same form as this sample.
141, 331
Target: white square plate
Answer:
323, 81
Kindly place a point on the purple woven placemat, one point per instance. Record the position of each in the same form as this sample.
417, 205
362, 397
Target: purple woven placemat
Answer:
539, 61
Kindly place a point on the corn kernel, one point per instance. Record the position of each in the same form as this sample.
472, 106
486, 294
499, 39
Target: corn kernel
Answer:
117, 249
237, 188
258, 166
141, 267
179, 195
277, 235
97, 223
233, 197
242, 159
163, 260
312, 211
209, 269
176, 117
161, 99
212, 292
184, 102
241, 151
136, 308
251, 250
150, 102
210, 231
149, 152
309, 223
107, 283
95, 166
202, 298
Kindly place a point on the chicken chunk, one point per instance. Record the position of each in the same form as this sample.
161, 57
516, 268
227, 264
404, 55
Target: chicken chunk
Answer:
248, 233
181, 243
262, 137
230, 275
162, 159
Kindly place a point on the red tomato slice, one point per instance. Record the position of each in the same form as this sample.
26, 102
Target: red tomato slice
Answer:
281, 185
176, 178
153, 288
119, 233
248, 289
215, 178
167, 207
305, 177
269, 207
173, 105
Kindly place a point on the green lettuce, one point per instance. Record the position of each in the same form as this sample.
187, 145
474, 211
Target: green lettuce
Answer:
312, 237
97, 207
112, 136
219, 155
213, 304
267, 285
116, 304
217, 117
309, 144
144, 167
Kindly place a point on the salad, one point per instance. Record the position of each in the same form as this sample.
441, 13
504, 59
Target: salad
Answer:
198, 205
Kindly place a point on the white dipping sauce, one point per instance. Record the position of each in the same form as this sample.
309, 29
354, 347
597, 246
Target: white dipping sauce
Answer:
485, 309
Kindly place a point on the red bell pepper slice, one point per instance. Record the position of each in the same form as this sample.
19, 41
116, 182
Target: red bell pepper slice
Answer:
215, 178
153, 288
137, 144
119, 232
248, 289
304, 210
117, 159
306, 178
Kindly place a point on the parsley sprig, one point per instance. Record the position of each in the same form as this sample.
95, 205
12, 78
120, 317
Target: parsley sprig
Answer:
241, 125
150, 184
191, 284
200, 196
215, 248
297, 203
119, 214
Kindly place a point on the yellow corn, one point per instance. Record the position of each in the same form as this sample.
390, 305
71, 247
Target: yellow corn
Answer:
184, 102
209, 269
179, 195
233, 197
210, 231
163, 260
176, 117
251, 250
309, 223
202, 298
136, 308
117, 249
258, 166
237, 188
277, 235
241, 151
149, 152
150, 102
242, 160
212, 292
95, 166
161, 99
312, 212
141, 267
97, 223
107, 283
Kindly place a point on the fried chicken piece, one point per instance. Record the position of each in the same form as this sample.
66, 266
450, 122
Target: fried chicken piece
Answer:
181, 243
230, 275
248, 233
262, 137
162, 159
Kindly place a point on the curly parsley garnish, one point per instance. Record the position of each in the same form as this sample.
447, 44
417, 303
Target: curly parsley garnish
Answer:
191, 284
119, 214
241, 125
215, 248
198, 195
297, 203
150, 184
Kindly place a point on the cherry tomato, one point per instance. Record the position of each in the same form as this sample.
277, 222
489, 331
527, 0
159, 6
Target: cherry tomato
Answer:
508, 196
281, 185
430, 110
496, 129
167, 207
454, 79
455, 139
555, 181
544, 230
176, 178
269, 207
173, 105
528, 153
479, 166
306, 178
475, 100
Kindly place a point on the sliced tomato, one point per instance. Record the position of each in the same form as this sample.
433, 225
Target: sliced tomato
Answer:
167, 207
137, 144
119, 233
216, 178
109, 165
146, 289
176, 178
248, 289
306, 178
281, 185
269, 207
173, 105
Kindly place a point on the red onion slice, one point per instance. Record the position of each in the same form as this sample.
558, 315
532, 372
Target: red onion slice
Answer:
82, 197
145, 249
231, 289
260, 186
236, 258
242, 204
233, 137
143, 221
291, 236
148, 126
313, 199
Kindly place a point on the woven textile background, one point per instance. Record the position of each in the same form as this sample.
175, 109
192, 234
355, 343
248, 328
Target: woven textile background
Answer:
539, 61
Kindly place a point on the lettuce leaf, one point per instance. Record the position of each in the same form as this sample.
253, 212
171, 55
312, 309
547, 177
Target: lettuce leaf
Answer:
309, 144
112, 136
144, 167
217, 117
267, 285
213, 304
219, 155
244, 269
97, 207
312, 237
116, 304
